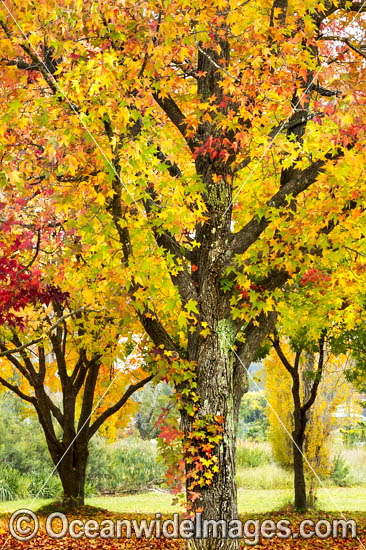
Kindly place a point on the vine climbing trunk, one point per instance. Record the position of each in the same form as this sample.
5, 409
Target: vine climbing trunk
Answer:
215, 484
211, 473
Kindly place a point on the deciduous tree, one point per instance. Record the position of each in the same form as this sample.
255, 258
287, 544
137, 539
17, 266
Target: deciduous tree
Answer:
302, 405
60, 349
220, 146
64, 375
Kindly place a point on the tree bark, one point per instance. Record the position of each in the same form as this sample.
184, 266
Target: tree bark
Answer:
299, 476
215, 380
298, 436
72, 470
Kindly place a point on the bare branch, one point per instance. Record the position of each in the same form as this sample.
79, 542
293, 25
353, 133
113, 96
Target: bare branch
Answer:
286, 363
360, 50
17, 391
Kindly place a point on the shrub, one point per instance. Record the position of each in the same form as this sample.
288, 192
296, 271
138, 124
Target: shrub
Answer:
13, 484
90, 490
44, 486
353, 434
128, 465
253, 423
23, 453
136, 465
341, 472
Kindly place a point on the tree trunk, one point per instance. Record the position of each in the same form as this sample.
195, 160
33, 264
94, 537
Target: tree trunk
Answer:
215, 381
72, 470
298, 437
299, 433
299, 476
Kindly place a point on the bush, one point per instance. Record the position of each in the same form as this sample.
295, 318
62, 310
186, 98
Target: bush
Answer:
253, 423
137, 466
90, 490
125, 466
98, 472
341, 472
353, 434
13, 484
43, 486
251, 455
23, 453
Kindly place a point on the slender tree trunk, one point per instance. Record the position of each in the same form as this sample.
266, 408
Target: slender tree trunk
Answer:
301, 502
298, 436
299, 476
301, 411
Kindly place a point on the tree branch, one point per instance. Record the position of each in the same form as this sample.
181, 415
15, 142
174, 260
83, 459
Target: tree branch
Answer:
88, 397
47, 75
17, 364
324, 91
18, 349
20, 64
241, 241
359, 50
115, 408
318, 376
17, 391
282, 356
176, 116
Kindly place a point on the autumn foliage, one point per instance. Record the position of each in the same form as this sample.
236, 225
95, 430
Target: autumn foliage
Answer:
200, 165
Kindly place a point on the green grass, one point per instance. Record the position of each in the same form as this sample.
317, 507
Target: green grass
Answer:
333, 499
343, 498
266, 476
144, 503
261, 500
9, 507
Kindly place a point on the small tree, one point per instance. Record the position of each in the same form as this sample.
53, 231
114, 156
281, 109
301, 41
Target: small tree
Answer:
73, 359
304, 408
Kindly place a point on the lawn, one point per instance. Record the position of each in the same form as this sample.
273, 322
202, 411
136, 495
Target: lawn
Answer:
250, 501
